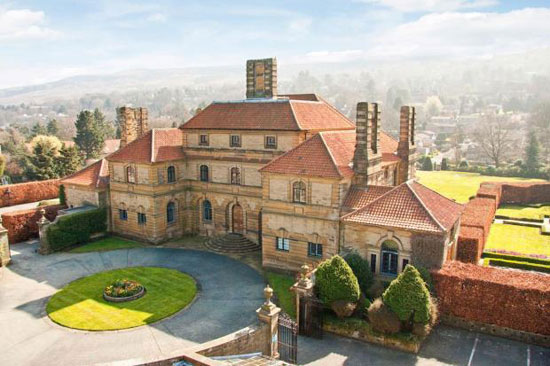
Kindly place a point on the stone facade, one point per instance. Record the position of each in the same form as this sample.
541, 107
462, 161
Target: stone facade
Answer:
5, 254
133, 123
261, 78
407, 145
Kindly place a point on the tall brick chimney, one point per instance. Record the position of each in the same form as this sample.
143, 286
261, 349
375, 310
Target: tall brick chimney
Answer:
406, 149
133, 124
261, 78
368, 155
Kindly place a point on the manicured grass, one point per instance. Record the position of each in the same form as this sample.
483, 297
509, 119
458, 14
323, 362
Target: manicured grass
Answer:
524, 212
110, 243
519, 239
460, 186
80, 304
281, 286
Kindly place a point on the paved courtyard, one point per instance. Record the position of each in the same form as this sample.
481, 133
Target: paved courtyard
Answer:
230, 292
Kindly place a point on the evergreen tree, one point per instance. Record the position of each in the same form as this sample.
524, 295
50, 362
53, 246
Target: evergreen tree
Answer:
38, 129
532, 154
2, 164
444, 164
62, 195
70, 161
42, 163
105, 126
53, 127
89, 135
427, 164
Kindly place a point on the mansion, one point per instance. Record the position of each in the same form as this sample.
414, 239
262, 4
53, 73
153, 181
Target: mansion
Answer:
288, 172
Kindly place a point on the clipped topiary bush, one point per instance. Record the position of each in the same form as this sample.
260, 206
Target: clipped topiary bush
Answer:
382, 318
361, 270
76, 228
408, 297
335, 281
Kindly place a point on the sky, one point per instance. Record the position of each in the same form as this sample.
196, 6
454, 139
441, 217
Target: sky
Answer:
42, 41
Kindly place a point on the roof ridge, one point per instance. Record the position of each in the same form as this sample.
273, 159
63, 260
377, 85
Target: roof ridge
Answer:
370, 203
415, 180
321, 99
330, 154
130, 143
288, 152
81, 170
424, 206
294, 115
99, 173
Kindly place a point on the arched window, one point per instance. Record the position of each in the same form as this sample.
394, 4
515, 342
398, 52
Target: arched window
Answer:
235, 175
130, 174
388, 264
299, 192
171, 212
204, 173
171, 173
207, 210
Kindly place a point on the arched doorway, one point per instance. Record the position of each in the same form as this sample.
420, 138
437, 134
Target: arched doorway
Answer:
237, 216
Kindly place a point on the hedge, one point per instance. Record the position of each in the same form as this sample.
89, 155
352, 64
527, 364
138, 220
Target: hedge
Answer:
76, 228
516, 258
519, 265
361, 270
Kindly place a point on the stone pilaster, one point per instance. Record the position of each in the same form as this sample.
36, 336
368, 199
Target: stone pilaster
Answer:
302, 288
406, 149
5, 253
43, 224
269, 314
368, 156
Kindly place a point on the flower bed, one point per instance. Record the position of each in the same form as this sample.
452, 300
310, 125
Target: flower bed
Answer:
123, 290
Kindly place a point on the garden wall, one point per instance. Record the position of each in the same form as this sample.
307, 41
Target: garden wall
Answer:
23, 225
503, 297
16, 194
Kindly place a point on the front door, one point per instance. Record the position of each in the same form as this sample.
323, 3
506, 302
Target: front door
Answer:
237, 214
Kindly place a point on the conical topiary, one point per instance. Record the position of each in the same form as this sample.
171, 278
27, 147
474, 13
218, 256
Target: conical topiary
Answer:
408, 296
335, 281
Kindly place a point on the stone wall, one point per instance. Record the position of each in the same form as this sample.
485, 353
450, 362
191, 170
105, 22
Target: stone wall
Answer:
503, 297
5, 254
248, 340
133, 124
23, 225
82, 196
261, 78
249, 140
16, 194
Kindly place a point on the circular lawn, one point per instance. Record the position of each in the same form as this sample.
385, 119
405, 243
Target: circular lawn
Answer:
80, 304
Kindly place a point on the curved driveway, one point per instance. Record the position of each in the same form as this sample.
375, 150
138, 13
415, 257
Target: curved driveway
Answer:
229, 295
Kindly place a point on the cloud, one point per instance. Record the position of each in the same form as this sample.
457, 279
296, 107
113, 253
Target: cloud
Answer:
432, 5
157, 18
23, 24
300, 25
467, 34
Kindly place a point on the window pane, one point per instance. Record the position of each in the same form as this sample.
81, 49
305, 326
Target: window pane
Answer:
373, 263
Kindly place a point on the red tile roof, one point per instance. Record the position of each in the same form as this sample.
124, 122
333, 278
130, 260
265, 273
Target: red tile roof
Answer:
409, 206
311, 97
327, 154
111, 145
95, 175
159, 144
359, 197
277, 114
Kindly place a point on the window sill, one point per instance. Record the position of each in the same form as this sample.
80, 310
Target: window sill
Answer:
282, 250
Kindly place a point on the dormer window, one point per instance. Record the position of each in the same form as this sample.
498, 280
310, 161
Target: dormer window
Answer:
203, 140
235, 141
270, 142
130, 174
299, 192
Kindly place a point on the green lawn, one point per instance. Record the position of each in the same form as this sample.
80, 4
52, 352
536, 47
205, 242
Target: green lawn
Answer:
460, 186
524, 212
281, 286
80, 305
110, 243
520, 239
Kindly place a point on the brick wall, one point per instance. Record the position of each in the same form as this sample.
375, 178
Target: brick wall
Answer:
16, 194
22, 225
503, 297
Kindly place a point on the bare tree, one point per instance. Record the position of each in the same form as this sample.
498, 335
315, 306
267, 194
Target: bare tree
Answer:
540, 121
494, 138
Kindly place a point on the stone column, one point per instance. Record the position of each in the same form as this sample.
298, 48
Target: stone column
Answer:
5, 254
302, 288
269, 314
43, 224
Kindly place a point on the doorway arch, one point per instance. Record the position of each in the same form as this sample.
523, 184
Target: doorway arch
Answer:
237, 219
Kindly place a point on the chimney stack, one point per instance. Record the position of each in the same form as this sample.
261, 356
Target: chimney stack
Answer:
261, 78
367, 156
133, 124
406, 149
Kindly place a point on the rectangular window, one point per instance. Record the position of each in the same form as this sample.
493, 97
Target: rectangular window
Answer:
283, 244
314, 250
203, 140
142, 218
235, 141
270, 142
123, 214
389, 263
373, 263
405, 262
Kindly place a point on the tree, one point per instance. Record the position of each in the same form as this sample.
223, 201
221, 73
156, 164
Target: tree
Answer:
540, 120
70, 161
89, 135
336, 282
62, 195
427, 164
444, 164
38, 129
105, 126
53, 127
408, 297
532, 154
51, 141
494, 138
433, 106
2, 164
42, 163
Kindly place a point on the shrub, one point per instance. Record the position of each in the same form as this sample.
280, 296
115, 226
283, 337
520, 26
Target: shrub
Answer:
342, 308
408, 297
123, 288
382, 318
463, 164
444, 164
361, 270
335, 281
426, 276
76, 228
519, 265
62, 195
427, 164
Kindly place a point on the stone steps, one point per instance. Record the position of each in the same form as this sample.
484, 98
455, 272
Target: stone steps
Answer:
232, 243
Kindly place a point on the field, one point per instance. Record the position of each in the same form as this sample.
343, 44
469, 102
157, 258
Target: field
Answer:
524, 212
519, 239
460, 186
